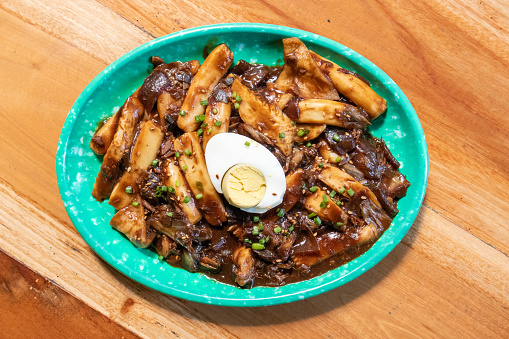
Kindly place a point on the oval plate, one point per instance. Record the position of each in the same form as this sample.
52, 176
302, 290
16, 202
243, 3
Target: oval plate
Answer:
77, 166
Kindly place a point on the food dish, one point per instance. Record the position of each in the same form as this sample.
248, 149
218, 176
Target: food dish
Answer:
217, 293
252, 175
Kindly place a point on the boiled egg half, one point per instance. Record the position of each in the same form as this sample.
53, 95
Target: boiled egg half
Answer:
245, 172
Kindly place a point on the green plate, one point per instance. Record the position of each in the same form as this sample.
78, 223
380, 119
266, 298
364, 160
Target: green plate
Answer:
77, 166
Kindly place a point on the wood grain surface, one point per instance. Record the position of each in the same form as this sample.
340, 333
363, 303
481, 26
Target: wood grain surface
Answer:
448, 278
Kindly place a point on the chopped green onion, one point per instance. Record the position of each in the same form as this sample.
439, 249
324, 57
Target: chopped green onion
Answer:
335, 137
281, 135
187, 199
277, 230
160, 190
291, 228
332, 194
135, 204
313, 189
338, 159
182, 113
281, 212
303, 186
199, 184
339, 224
350, 192
217, 123
255, 230
199, 132
199, 118
318, 222
177, 183
294, 123
203, 125
214, 111
199, 196
209, 130
341, 190
338, 202
236, 105
325, 198
177, 154
309, 144
234, 94
204, 102
238, 98
312, 215
247, 143
185, 167
323, 204
246, 240
260, 226
262, 241
155, 162
160, 257
256, 218
302, 132
320, 165
170, 214
171, 189
257, 246
129, 189
187, 152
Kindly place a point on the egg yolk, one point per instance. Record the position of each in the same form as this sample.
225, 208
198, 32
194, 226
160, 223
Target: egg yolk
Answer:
243, 186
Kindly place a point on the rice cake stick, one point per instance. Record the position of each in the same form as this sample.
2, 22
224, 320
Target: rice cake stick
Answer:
352, 87
342, 182
174, 179
217, 118
132, 110
266, 118
319, 111
144, 152
211, 71
192, 163
104, 135
130, 220
302, 75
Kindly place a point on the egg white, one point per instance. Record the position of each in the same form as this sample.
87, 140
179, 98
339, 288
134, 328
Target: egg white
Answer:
225, 150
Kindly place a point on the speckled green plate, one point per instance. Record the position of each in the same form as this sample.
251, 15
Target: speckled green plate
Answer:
77, 165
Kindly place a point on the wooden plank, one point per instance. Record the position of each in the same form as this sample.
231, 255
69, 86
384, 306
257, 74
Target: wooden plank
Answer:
430, 274
45, 82
34, 307
88, 25
448, 278
454, 123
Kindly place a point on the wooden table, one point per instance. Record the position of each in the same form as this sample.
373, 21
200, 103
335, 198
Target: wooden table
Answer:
448, 278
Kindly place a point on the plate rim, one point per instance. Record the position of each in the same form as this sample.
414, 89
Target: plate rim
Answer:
371, 261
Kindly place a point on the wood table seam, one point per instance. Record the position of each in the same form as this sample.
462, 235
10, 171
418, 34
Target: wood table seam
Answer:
458, 225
